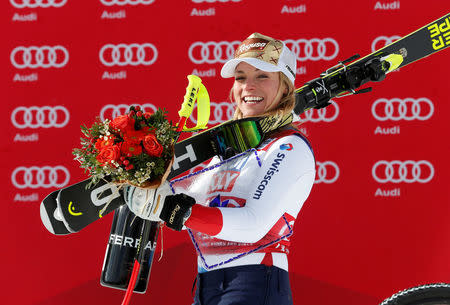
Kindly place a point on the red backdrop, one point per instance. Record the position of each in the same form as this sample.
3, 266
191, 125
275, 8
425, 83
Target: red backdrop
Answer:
377, 218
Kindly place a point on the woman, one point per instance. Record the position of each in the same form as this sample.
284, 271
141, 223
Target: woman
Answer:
240, 214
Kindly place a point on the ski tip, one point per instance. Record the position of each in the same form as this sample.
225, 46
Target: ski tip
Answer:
51, 216
45, 219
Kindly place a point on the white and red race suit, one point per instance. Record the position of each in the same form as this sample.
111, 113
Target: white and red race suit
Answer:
247, 205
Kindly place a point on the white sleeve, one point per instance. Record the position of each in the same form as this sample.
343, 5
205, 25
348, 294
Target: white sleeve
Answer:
280, 185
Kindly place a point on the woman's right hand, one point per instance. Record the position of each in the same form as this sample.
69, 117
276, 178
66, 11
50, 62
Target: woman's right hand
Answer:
147, 203
160, 204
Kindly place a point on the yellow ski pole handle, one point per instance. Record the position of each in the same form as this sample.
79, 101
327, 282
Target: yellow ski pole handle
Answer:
191, 96
195, 92
203, 110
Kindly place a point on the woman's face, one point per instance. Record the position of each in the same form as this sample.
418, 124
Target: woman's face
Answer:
255, 91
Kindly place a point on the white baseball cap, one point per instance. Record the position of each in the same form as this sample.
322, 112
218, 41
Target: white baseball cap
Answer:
264, 53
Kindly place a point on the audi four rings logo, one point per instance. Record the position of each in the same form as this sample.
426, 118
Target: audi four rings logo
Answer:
326, 172
220, 112
403, 171
305, 49
313, 49
40, 117
37, 3
39, 57
383, 41
125, 2
408, 109
327, 114
212, 52
37, 177
128, 54
112, 111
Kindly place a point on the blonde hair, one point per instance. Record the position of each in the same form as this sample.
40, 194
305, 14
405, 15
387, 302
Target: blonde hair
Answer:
286, 100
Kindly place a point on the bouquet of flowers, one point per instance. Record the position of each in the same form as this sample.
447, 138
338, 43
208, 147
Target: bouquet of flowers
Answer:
135, 148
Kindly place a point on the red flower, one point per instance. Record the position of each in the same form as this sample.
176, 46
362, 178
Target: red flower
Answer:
101, 143
135, 136
108, 154
152, 146
131, 148
122, 122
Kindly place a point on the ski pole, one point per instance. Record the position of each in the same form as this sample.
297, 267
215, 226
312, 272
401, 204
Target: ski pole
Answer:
195, 92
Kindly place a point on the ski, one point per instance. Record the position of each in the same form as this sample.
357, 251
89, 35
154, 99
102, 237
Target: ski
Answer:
344, 78
74, 207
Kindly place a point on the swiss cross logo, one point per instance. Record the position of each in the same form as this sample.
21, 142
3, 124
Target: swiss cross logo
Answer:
223, 181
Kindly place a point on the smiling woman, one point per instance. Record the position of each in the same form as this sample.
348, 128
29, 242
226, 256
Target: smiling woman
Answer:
240, 210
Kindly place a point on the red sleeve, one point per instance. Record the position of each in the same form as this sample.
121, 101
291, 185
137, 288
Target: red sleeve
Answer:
205, 219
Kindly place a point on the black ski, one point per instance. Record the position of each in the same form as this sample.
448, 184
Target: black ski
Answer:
77, 206
346, 78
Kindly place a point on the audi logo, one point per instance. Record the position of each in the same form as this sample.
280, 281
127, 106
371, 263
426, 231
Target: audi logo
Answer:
327, 172
220, 112
128, 54
125, 2
40, 117
39, 57
112, 111
37, 3
212, 1
212, 52
327, 114
313, 49
383, 41
403, 171
408, 109
40, 177
219, 52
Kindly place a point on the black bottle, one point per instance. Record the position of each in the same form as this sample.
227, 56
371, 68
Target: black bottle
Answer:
122, 247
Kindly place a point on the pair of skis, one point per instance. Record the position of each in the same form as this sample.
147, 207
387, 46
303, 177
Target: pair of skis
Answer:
74, 207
